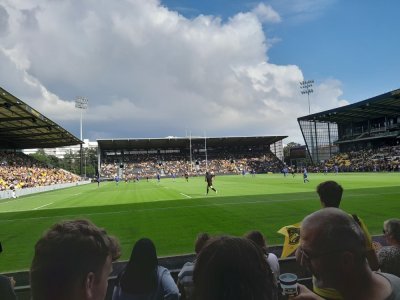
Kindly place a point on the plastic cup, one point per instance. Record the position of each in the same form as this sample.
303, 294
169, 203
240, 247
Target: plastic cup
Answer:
288, 283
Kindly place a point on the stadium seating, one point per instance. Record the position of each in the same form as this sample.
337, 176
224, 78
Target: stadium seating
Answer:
382, 159
167, 165
18, 171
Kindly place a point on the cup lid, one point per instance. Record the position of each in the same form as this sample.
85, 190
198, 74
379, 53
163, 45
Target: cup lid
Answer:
288, 278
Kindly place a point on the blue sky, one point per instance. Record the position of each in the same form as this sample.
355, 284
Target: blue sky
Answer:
157, 68
356, 42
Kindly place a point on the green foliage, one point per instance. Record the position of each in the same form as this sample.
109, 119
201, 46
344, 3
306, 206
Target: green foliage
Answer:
173, 213
286, 149
71, 161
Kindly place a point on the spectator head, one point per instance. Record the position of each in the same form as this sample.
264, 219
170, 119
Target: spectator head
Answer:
389, 260
140, 274
332, 247
391, 230
232, 268
258, 238
330, 193
73, 260
201, 240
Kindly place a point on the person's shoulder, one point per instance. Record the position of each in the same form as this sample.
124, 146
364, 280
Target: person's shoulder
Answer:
390, 250
272, 256
187, 267
393, 279
395, 284
188, 264
162, 270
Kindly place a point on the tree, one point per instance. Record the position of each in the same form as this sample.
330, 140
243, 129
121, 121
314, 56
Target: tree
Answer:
286, 149
40, 155
71, 161
90, 162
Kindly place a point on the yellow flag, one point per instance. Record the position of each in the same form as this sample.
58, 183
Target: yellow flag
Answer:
292, 238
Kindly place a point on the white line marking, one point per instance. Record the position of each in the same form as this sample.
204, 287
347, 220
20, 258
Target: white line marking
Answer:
187, 196
76, 194
43, 205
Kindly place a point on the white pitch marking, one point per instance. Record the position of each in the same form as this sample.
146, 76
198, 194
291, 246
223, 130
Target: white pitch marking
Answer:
187, 196
43, 205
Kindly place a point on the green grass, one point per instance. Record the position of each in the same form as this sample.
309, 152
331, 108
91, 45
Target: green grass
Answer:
173, 213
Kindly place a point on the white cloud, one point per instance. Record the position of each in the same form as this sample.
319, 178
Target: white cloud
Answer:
150, 72
266, 13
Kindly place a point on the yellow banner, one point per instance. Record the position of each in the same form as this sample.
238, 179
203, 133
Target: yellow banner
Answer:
292, 238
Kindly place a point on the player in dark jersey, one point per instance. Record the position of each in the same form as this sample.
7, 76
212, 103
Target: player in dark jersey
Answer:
209, 179
186, 176
98, 180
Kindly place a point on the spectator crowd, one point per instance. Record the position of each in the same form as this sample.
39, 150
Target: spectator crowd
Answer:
19, 171
146, 165
380, 159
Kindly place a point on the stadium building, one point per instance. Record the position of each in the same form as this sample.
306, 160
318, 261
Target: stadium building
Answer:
368, 124
193, 151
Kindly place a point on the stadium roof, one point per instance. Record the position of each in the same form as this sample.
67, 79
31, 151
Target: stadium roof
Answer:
384, 105
22, 127
180, 142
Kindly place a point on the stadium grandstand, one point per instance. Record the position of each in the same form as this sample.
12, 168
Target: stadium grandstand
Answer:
22, 127
128, 158
371, 124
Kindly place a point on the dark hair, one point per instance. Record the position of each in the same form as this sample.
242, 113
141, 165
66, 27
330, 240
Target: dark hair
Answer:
64, 256
232, 268
140, 274
201, 240
330, 193
258, 238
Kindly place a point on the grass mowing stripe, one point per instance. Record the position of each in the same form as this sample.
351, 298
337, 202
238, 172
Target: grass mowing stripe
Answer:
156, 209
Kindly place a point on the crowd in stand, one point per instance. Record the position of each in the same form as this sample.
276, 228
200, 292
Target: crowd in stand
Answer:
18, 171
168, 165
380, 159
73, 260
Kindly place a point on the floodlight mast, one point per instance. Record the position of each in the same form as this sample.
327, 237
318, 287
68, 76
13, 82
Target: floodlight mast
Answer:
306, 88
82, 104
